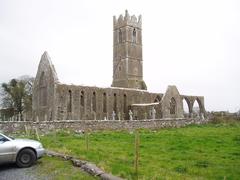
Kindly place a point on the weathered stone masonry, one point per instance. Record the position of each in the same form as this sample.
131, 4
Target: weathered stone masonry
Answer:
126, 99
94, 125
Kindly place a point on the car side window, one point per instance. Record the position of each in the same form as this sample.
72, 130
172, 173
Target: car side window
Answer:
3, 139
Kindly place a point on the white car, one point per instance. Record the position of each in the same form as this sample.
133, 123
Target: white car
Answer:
23, 152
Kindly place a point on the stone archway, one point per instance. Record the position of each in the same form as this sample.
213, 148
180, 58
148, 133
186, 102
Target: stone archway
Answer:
197, 108
187, 109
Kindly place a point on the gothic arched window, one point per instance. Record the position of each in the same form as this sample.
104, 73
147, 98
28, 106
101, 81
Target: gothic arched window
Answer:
115, 102
94, 102
104, 102
69, 107
82, 99
125, 103
134, 35
42, 90
173, 106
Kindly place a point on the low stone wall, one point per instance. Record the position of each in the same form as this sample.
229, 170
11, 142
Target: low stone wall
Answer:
94, 125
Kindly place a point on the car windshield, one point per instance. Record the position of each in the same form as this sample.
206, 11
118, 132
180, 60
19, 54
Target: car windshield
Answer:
3, 139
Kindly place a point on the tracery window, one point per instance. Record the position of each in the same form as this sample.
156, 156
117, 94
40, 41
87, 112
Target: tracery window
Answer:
173, 106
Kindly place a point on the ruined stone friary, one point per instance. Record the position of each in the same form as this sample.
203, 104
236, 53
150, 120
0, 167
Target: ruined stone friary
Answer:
126, 99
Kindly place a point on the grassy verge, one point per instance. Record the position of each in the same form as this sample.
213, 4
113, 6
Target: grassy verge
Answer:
54, 168
195, 152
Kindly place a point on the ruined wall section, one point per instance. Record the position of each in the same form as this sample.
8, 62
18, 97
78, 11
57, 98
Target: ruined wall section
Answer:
43, 103
89, 103
172, 105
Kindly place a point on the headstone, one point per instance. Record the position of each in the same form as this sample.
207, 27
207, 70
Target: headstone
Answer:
191, 115
198, 116
113, 115
130, 115
145, 115
119, 116
19, 117
153, 113
95, 116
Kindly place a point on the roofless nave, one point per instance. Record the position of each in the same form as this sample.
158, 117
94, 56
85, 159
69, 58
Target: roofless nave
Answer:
126, 99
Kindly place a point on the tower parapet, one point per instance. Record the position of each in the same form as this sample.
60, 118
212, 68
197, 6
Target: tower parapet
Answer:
127, 20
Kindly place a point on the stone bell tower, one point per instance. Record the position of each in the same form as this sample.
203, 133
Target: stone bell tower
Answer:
127, 52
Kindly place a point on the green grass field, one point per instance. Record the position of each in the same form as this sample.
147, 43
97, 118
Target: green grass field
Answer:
209, 151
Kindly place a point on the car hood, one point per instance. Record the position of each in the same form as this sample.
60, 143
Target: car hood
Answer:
26, 142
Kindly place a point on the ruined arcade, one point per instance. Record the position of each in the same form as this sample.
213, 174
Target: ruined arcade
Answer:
126, 99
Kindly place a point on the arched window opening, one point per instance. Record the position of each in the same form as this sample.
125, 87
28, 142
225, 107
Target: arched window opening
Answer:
94, 102
42, 90
134, 35
115, 103
82, 99
196, 108
125, 103
104, 102
186, 109
157, 99
69, 107
173, 106
120, 36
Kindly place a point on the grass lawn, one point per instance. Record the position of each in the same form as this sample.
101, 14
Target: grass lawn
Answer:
54, 168
209, 151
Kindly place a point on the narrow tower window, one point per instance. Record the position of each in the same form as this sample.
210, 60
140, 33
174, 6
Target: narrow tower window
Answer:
120, 36
134, 35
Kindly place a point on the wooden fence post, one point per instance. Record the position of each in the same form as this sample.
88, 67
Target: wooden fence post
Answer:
136, 161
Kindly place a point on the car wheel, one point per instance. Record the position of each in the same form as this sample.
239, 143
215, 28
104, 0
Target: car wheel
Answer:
26, 158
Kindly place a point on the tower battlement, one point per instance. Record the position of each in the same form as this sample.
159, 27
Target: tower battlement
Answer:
127, 20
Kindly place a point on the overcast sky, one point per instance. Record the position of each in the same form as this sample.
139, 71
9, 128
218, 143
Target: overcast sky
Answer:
194, 45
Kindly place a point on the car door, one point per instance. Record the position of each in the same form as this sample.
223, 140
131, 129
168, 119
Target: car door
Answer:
6, 150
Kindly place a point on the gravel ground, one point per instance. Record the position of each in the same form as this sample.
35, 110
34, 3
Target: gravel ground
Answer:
12, 172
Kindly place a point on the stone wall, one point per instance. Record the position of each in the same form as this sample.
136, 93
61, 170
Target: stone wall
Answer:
86, 103
80, 125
